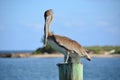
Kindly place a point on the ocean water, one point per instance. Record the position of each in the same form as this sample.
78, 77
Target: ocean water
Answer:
46, 68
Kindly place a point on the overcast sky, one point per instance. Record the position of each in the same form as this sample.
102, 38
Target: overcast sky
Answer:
89, 22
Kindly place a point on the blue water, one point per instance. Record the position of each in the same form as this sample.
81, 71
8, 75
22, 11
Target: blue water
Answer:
46, 69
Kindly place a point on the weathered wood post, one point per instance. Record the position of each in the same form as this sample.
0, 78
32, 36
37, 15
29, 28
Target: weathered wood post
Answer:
70, 71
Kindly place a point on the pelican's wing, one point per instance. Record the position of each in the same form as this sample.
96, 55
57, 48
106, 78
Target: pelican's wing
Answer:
70, 44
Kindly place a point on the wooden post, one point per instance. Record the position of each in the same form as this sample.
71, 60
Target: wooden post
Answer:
70, 71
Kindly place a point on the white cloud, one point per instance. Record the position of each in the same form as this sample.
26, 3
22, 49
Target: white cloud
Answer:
32, 25
2, 28
102, 23
73, 24
114, 30
36, 26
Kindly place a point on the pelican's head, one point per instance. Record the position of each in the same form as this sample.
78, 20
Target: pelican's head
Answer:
48, 15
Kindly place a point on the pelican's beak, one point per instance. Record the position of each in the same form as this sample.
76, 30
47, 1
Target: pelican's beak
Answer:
46, 29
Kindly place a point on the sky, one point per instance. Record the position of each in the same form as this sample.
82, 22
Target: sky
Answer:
89, 22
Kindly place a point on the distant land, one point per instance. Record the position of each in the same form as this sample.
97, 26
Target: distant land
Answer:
94, 51
29, 54
15, 53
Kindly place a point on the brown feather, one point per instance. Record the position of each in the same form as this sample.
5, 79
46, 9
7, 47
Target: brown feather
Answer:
69, 44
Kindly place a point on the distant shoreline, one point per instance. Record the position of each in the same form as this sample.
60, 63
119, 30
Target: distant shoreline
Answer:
61, 55
53, 55
105, 55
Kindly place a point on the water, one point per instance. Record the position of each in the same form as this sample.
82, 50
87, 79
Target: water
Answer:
46, 69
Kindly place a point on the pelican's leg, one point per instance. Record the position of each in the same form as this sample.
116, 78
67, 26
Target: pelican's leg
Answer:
67, 56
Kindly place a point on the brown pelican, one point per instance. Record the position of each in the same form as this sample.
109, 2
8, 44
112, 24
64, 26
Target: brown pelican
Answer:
68, 47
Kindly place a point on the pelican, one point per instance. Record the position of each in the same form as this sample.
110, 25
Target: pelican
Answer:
65, 45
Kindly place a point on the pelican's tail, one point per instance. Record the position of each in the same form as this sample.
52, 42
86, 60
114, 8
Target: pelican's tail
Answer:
88, 57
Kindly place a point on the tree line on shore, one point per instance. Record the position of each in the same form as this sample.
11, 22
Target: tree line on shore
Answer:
90, 49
